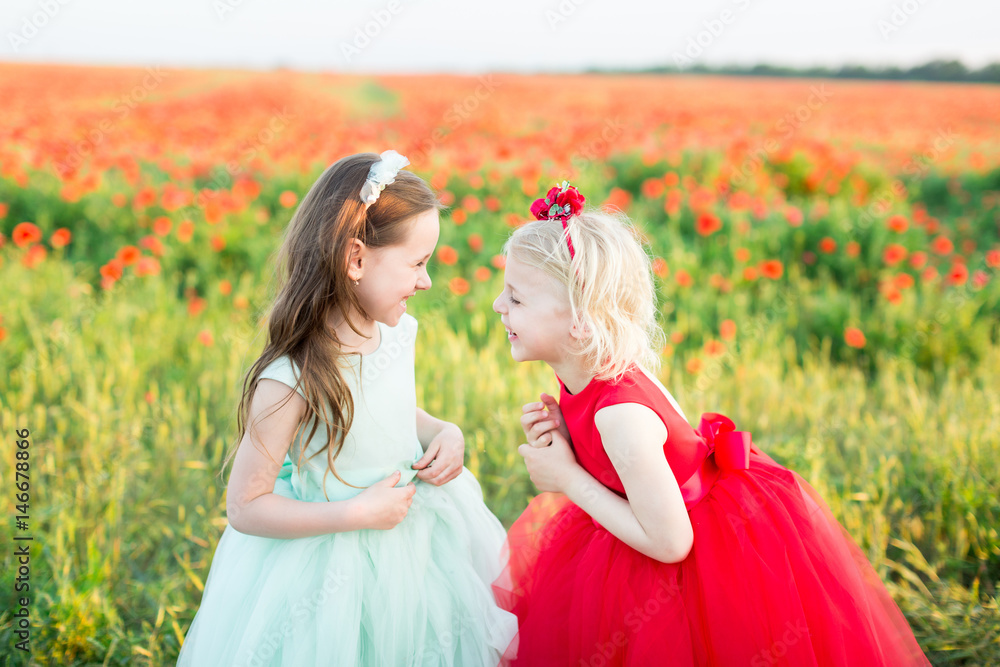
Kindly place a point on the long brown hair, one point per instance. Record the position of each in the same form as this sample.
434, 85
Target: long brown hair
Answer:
312, 272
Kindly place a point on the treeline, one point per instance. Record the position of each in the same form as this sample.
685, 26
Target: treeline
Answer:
935, 70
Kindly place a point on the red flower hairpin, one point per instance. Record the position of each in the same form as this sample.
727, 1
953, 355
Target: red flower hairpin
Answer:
559, 203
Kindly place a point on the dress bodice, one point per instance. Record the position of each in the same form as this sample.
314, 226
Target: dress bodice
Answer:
383, 433
684, 448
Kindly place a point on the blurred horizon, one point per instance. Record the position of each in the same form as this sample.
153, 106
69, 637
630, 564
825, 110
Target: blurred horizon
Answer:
519, 37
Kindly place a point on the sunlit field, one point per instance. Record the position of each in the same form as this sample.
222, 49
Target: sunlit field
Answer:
826, 255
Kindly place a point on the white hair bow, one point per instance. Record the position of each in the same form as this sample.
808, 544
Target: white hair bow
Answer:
382, 173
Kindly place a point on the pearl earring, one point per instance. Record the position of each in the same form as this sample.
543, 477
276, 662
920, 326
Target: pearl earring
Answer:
355, 283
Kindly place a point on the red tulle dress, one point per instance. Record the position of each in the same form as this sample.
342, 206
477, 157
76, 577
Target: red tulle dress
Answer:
772, 578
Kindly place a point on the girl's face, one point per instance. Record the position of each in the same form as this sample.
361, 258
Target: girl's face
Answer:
534, 308
392, 274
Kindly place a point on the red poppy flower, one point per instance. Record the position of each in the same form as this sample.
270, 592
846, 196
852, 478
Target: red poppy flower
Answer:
894, 254
458, 286
854, 337
26, 233
708, 224
827, 245
471, 203
958, 274
147, 266
897, 223
772, 269
60, 238
727, 330
918, 259
794, 216
113, 269
185, 230
129, 255
447, 255
35, 254
942, 245
714, 348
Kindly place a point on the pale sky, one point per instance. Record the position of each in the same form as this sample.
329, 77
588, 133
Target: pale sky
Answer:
514, 35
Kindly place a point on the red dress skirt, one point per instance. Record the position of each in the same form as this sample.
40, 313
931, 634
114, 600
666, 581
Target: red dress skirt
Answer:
772, 578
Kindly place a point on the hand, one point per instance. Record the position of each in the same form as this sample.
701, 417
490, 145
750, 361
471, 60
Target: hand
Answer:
540, 420
383, 505
444, 458
551, 467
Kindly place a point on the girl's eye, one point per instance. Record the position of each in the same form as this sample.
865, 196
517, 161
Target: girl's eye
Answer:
513, 300
419, 264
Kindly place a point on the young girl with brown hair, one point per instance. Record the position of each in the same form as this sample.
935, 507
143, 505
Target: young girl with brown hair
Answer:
370, 544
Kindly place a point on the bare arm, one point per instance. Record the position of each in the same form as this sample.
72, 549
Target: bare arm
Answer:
429, 427
254, 508
653, 520
444, 449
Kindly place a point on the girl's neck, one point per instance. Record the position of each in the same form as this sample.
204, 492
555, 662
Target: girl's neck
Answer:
573, 374
351, 341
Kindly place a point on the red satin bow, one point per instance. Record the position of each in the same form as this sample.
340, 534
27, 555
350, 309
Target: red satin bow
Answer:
731, 447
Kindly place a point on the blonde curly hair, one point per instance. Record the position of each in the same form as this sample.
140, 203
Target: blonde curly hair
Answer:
609, 283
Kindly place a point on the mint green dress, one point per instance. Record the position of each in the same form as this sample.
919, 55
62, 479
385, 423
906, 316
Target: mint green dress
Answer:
417, 594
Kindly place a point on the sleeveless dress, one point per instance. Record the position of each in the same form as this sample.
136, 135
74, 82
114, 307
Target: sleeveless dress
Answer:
416, 594
772, 578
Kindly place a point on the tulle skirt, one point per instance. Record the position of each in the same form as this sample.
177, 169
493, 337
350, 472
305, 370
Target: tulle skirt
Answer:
772, 579
418, 594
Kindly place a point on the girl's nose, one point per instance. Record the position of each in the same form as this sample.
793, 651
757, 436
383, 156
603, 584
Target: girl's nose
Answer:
424, 281
497, 304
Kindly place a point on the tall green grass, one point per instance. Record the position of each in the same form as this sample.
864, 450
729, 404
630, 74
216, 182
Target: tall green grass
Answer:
130, 417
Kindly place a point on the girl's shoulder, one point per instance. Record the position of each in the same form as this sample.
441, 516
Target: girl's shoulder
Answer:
284, 370
640, 386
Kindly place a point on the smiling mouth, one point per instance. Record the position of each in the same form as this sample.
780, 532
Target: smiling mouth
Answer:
510, 334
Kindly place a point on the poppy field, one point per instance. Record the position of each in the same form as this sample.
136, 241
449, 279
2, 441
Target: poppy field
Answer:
826, 255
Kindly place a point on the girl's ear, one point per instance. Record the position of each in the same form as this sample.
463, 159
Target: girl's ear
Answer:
580, 330
357, 256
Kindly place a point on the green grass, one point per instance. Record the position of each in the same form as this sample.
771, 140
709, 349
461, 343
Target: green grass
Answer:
127, 506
